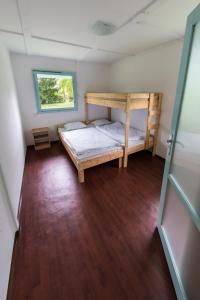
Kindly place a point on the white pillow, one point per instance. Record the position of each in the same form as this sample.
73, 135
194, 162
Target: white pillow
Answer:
74, 126
61, 130
100, 122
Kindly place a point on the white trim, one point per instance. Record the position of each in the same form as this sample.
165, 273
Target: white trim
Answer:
178, 285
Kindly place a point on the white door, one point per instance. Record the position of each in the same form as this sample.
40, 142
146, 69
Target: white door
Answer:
179, 219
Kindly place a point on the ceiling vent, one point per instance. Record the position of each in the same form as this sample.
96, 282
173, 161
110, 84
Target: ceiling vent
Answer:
103, 28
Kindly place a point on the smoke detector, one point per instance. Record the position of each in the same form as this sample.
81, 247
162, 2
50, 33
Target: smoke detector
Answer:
103, 28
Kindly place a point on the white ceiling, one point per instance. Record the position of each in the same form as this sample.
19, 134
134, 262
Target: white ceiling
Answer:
62, 28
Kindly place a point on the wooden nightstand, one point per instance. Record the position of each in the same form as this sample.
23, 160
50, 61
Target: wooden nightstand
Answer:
41, 138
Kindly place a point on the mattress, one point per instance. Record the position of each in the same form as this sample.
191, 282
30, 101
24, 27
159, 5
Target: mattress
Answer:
116, 131
89, 142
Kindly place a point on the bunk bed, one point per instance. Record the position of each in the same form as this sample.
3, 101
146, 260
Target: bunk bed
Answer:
128, 102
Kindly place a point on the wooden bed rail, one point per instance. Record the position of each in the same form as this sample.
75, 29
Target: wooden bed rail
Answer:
118, 100
124, 101
111, 96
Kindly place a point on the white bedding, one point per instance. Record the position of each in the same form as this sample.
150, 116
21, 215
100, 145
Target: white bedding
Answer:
88, 142
116, 131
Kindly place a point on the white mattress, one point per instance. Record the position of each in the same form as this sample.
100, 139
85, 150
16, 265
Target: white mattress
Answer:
116, 131
89, 142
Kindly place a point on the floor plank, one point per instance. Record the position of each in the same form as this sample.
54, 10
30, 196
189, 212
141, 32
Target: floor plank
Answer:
96, 240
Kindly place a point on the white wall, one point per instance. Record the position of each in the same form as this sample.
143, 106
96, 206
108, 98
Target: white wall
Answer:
12, 150
155, 70
90, 77
7, 235
12, 156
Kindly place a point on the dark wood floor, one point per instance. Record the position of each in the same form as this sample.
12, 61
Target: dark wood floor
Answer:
96, 240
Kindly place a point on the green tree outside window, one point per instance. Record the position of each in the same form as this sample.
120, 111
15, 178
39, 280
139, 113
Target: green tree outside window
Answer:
55, 91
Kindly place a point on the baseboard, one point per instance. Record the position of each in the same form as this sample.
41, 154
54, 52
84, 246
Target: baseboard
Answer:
19, 206
160, 157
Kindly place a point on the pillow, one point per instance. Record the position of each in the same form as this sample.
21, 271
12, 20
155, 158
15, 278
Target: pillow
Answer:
61, 130
100, 122
74, 126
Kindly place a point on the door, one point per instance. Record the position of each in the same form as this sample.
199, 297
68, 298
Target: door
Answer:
179, 215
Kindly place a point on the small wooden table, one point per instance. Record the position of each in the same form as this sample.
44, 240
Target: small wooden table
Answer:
41, 138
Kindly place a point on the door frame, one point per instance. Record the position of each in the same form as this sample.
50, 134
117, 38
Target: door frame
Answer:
192, 20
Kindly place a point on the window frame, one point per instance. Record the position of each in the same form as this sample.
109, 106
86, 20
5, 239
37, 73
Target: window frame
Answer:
37, 94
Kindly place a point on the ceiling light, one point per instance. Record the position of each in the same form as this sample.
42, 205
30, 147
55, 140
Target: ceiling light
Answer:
103, 28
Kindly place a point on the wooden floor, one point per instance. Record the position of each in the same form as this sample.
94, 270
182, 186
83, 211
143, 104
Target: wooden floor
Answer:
96, 240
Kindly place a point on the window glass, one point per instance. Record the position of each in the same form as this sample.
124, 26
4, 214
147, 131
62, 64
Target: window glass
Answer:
55, 91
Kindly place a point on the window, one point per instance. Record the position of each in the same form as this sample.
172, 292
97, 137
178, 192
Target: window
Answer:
55, 91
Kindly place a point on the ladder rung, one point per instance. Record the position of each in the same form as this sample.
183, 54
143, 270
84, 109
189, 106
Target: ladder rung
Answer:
153, 126
154, 113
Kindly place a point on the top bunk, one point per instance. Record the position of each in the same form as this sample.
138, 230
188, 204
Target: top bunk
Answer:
124, 101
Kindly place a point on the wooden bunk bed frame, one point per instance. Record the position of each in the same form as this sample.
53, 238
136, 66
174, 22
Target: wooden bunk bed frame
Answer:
90, 162
128, 102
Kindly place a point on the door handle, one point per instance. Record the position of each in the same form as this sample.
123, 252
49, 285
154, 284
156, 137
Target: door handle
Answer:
169, 143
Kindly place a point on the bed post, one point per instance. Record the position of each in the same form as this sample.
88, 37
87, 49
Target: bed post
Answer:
147, 127
153, 119
120, 162
86, 110
127, 124
157, 122
81, 176
109, 113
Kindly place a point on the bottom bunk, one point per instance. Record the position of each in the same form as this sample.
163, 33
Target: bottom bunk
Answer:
99, 142
137, 140
88, 147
